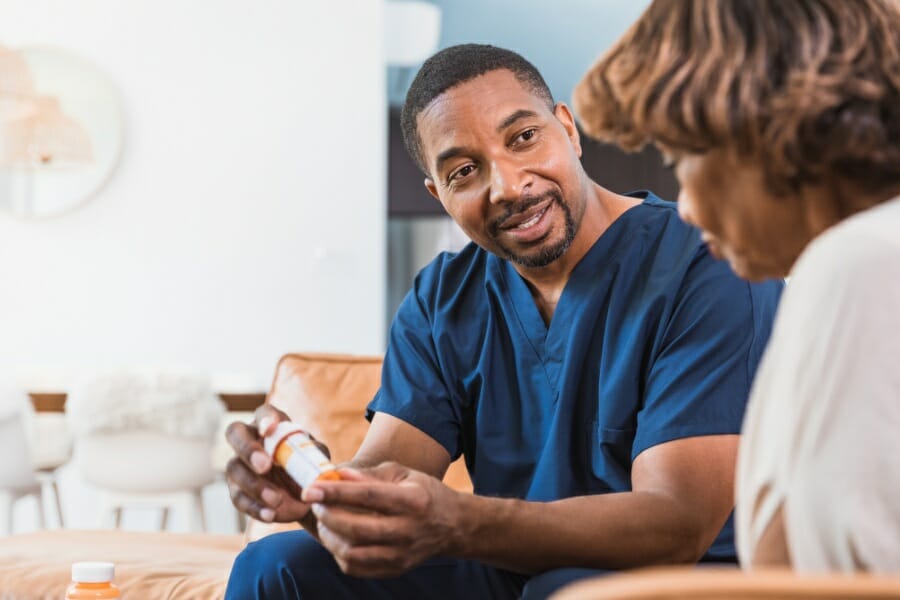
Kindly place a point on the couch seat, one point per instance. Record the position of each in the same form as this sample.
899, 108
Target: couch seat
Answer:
148, 565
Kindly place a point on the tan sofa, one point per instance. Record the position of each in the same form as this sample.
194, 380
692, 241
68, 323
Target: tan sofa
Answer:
327, 393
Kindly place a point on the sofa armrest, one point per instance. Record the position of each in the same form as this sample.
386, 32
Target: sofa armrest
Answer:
682, 583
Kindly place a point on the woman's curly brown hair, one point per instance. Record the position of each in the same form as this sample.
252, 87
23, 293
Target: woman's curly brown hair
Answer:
808, 88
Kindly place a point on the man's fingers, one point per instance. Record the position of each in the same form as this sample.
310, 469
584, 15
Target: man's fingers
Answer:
362, 529
248, 505
387, 498
251, 484
245, 441
373, 562
269, 498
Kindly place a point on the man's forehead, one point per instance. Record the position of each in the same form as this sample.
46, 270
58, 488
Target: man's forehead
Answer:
491, 88
483, 101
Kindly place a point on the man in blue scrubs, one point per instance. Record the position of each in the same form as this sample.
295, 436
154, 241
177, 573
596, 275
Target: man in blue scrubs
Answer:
585, 354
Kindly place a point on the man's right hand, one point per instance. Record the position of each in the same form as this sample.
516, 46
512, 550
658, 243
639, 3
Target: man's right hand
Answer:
257, 487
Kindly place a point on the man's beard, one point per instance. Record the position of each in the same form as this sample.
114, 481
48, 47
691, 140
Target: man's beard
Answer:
546, 254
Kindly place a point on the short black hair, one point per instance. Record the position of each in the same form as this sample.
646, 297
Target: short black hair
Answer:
453, 66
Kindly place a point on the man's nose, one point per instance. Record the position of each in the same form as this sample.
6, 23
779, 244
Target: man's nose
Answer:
509, 182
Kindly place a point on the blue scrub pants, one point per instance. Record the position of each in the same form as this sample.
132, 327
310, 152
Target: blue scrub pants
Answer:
293, 565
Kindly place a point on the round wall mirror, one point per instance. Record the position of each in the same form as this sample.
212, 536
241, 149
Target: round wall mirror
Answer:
66, 146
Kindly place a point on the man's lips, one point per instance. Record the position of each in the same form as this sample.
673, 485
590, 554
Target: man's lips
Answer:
526, 218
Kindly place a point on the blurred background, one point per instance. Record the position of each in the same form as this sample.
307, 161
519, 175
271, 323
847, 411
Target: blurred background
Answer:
203, 186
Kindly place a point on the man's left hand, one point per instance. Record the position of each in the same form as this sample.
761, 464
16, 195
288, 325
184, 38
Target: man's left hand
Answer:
381, 522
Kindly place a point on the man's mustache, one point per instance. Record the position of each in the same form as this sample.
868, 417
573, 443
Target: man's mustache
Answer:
519, 207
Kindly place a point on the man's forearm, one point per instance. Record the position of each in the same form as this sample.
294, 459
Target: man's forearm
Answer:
605, 531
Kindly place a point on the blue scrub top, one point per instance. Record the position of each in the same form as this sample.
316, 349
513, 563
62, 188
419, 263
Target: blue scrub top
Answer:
652, 340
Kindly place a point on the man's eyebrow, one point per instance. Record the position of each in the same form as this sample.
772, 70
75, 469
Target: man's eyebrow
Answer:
522, 113
447, 155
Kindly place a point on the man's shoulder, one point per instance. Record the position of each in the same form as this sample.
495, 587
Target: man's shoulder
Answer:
653, 204
655, 241
680, 257
659, 218
452, 276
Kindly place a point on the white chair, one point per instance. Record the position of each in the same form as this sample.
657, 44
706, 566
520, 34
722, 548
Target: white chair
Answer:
51, 449
145, 440
17, 475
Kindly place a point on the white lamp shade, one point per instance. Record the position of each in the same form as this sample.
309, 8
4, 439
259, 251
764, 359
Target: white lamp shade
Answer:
412, 32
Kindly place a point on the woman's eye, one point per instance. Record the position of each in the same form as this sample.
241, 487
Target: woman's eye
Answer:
669, 162
527, 134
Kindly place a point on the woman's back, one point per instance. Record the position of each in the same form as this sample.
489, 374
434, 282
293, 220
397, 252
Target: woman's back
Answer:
819, 449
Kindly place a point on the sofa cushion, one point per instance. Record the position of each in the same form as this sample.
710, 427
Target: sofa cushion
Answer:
148, 565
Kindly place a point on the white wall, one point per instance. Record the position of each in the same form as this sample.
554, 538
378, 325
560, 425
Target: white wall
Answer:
246, 217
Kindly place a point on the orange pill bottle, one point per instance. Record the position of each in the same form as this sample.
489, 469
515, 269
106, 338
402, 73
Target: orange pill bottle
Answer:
292, 449
92, 581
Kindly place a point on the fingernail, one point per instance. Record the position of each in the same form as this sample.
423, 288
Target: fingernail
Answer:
264, 425
313, 495
267, 515
317, 509
271, 497
260, 461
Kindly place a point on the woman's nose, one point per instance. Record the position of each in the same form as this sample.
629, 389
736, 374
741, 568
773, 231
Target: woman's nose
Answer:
685, 208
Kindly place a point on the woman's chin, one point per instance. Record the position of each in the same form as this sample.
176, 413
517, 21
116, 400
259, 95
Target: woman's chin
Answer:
755, 272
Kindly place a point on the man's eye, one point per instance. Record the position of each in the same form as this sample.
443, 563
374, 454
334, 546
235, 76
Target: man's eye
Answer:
463, 172
528, 134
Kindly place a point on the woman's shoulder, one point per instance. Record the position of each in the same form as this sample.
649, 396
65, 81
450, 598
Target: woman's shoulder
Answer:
859, 249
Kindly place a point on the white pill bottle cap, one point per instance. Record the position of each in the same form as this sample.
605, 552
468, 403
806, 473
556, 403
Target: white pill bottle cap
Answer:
93, 572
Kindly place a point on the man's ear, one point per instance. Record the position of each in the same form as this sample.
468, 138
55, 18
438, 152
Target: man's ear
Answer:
432, 189
564, 115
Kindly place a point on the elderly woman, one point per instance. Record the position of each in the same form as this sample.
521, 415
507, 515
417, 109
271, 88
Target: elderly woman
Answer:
782, 120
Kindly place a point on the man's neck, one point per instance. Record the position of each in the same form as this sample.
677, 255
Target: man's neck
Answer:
547, 283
